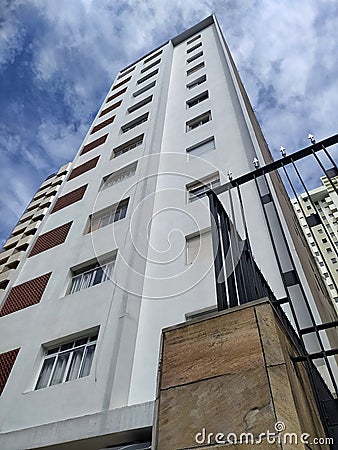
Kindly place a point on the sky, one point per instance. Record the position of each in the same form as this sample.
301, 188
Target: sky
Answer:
58, 59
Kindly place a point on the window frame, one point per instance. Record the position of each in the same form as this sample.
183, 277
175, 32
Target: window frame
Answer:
199, 98
194, 47
148, 76
198, 121
194, 57
197, 82
140, 104
107, 216
190, 150
153, 64
201, 186
144, 89
154, 55
194, 69
135, 123
56, 353
127, 146
118, 176
193, 39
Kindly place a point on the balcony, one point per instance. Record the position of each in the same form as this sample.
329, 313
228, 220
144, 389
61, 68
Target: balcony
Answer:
5, 278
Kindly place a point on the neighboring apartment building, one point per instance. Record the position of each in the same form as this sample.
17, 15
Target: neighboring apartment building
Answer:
125, 250
323, 237
14, 249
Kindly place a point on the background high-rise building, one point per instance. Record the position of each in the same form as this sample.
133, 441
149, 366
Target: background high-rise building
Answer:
125, 249
14, 249
323, 238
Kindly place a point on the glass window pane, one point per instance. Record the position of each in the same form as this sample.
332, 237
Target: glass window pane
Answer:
45, 373
79, 342
66, 346
59, 369
98, 276
75, 364
76, 284
87, 279
88, 359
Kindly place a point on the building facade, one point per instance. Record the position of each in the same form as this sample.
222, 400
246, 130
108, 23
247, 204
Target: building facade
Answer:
322, 238
14, 249
125, 250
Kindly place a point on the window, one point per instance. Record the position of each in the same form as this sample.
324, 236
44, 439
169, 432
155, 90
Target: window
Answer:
124, 148
198, 189
144, 89
324, 241
152, 56
331, 286
198, 99
119, 175
90, 275
194, 47
334, 260
117, 94
194, 57
198, 121
145, 78
321, 264
195, 68
320, 231
193, 39
108, 215
110, 108
67, 362
329, 250
125, 72
145, 69
202, 147
198, 247
103, 124
140, 104
79, 170
134, 123
93, 144
197, 82
121, 83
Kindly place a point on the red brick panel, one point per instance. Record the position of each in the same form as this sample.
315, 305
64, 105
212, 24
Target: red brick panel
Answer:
79, 170
103, 124
110, 108
122, 91
51, 239
68, 199
25, 294
121, 83
94, 144
7, 361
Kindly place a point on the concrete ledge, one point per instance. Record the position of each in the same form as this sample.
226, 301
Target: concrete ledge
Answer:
88, 432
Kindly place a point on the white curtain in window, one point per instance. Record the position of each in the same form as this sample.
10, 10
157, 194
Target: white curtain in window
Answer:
59, 369
45, 373
88, 359
75, 364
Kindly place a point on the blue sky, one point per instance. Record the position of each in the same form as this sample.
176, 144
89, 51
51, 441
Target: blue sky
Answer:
58, 59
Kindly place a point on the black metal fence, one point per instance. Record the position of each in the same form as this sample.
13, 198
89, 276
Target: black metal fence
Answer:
239, 279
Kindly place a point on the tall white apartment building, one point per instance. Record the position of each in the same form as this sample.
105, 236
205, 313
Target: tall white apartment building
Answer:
125, 250
322, 238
